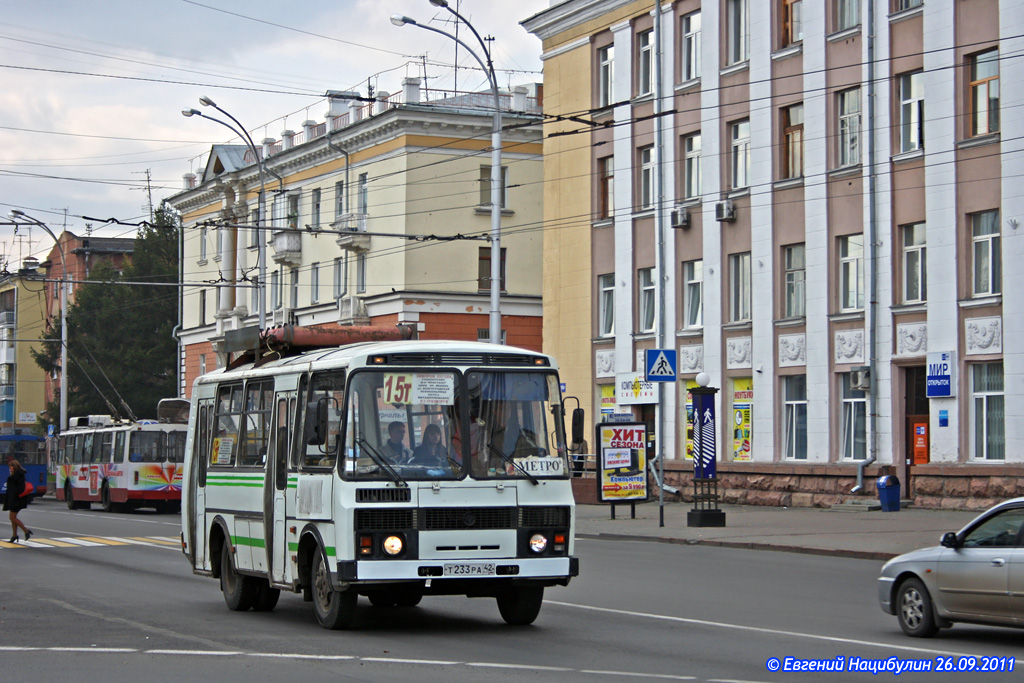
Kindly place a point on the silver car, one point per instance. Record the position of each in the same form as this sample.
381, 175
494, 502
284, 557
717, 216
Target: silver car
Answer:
976, 575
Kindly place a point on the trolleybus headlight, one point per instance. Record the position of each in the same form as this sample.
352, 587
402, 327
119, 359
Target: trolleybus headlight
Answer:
538, 542
393, 545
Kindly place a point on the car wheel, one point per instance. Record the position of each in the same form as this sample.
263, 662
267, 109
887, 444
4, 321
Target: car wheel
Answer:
914, 609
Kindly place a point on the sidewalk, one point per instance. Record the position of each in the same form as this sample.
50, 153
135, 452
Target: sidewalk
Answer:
868, 535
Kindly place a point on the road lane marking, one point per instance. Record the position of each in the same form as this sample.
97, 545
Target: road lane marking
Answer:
104, 540
161, 542
671, 677
5, 544
770, 631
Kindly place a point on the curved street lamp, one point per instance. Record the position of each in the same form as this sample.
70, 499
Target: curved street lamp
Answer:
241, 132
488, 67
15, 215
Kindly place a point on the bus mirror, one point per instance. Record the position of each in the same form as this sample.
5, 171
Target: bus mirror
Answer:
316, 423
577, 425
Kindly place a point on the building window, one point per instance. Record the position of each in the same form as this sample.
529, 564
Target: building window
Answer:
693, 281
795, 275
202, 245
739, 300
483, 334
740, 154
339, 199
794, 399
987, 253
606, 185
484, 269
361, 273
364, 191
293, 298
275, 290
847, 14
911, 124
293, 211
792, 22
606, 304
907, 4
340, 277
605, 68
988, 415
314, 283
645, 283
314, 209
202, 307
849, 127
854, 417
793, 141
202, 364
851, 272
691, 166
254, 297
915, 264
646, 155
254, 233
691, 46
985, 93
485, 186
645, 63
738, 36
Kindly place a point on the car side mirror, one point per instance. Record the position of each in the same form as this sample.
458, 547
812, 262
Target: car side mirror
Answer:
950, 540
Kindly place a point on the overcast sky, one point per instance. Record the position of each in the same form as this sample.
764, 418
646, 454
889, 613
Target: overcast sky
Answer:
93, 89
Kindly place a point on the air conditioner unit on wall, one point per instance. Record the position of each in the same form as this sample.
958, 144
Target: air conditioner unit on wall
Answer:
283, 316
860, 378
725, 211
680, 218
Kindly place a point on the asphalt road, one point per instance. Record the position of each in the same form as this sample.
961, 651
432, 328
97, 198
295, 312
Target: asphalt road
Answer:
128, 607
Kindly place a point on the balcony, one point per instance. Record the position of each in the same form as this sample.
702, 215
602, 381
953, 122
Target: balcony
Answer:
7, 354
287, 247
6, 391
354, 237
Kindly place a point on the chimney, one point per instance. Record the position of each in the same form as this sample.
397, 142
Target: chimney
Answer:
519, 97
355, 111
307, 129
287, 139
381, 105
411, 90
190, 180
339, 102
268, 144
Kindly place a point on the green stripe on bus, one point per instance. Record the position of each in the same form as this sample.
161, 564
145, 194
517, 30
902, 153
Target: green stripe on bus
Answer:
253, 485
294, 547
245, 540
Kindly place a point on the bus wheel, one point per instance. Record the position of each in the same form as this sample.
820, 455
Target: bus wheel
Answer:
381, 598
68, 499
266, 597
105, 502
334, 610
239, 591
520, 606
408, 598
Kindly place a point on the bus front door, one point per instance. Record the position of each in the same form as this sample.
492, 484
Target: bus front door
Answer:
275, 489
196, 494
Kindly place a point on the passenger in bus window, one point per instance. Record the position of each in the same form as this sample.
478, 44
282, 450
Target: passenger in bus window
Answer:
430, 453
14, 502
395, 447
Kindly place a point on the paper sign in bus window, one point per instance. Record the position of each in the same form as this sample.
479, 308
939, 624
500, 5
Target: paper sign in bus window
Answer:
224, 451
419, 388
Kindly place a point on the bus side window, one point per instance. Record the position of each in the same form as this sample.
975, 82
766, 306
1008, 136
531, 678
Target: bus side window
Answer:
226, 420
326, 394
258, 401
119, 448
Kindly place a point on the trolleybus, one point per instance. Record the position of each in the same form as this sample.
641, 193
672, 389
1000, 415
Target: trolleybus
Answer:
120, 465
30, 451
305, 473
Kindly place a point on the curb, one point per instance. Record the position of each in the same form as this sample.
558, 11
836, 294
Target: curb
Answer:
746, 545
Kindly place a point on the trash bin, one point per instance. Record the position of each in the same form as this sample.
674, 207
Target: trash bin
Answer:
889, 493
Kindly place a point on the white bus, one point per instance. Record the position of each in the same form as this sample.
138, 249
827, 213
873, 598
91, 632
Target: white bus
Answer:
309, 474
120, 465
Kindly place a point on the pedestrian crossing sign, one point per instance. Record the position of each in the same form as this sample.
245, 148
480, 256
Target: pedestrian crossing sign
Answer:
660, 365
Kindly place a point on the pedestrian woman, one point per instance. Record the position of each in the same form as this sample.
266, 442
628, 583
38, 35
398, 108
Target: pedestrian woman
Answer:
14, 501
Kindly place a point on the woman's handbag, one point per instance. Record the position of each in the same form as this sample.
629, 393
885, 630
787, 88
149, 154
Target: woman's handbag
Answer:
27, 491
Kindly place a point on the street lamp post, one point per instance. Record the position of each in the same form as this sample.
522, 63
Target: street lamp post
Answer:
15, 215
488, 67
261, 211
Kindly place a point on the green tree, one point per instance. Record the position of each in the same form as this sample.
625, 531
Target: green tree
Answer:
123, 333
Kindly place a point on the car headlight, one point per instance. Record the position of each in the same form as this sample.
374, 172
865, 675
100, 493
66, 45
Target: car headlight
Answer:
538, 543
393, 545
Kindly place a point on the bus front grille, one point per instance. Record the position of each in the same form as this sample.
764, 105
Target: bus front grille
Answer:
544, 517
462, 518
385, 520
402, 495
445, 519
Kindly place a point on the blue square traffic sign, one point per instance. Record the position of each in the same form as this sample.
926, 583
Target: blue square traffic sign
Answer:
660, 365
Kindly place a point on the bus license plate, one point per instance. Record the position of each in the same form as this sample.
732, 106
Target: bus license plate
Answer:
469, 569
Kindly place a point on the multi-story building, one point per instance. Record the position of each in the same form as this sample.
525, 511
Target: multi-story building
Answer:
814, 204
377, 215
22, 319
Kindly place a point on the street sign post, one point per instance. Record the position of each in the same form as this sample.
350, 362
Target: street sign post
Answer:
705, 510
660, 365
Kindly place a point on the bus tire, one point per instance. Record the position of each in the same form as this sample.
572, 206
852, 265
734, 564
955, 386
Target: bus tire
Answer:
105, 502
381, 598
408, 598
520, 605
266, 597
239, 590
334, 610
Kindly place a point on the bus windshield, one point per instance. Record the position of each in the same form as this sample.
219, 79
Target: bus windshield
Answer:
411, 424
145, 447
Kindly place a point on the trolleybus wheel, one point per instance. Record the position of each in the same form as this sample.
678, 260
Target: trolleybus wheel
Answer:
519, 606
266, 597
334, 610
105, 502
239, 590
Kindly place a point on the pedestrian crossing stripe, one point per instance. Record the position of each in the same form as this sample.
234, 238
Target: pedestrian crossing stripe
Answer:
90, 542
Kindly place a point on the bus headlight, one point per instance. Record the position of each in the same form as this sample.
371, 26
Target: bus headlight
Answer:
538, 543
393, 545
